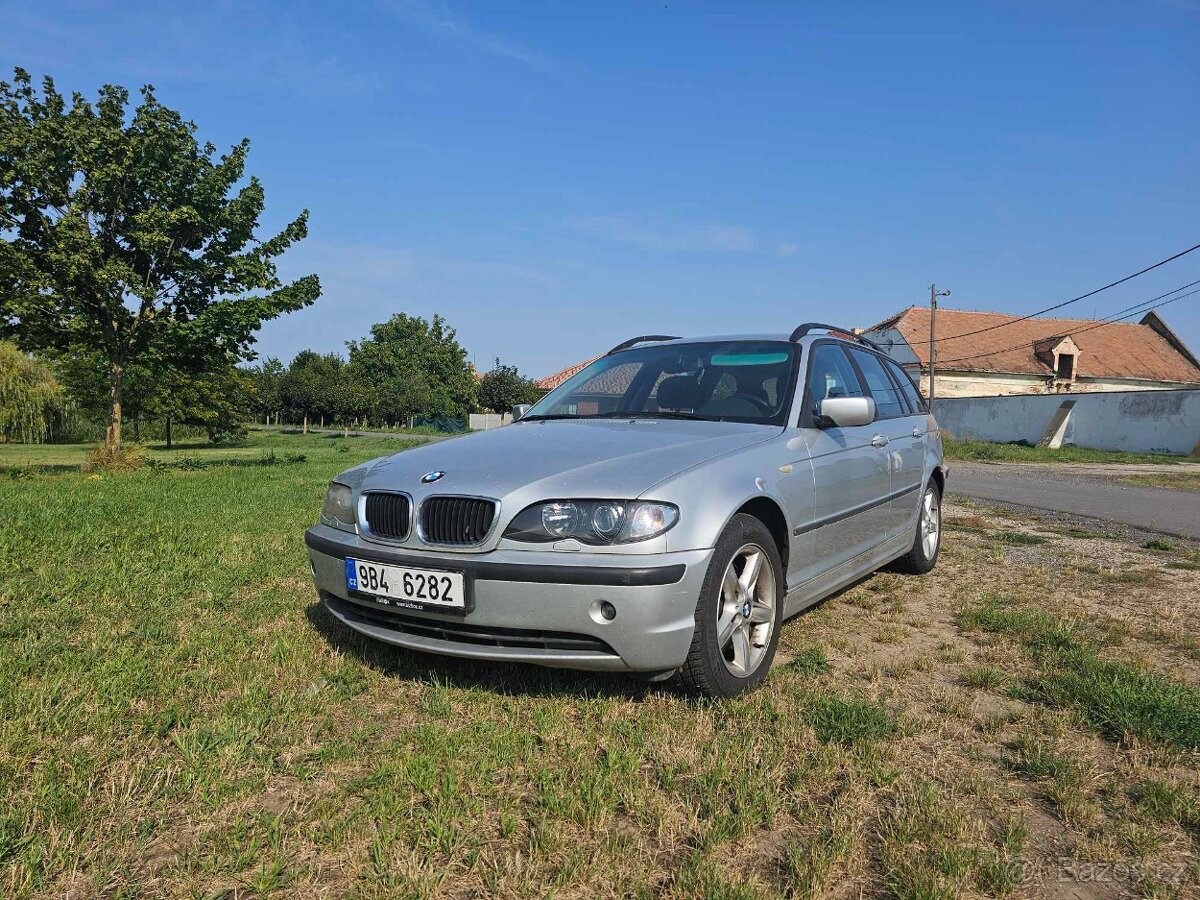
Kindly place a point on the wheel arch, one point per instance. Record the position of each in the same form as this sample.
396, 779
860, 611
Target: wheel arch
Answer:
770, 513
939, 475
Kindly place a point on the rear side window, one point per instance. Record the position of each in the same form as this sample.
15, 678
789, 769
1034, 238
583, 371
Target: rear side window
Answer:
915, 402
831, 375
888, 402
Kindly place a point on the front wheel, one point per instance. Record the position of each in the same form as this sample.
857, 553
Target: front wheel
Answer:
739, 613
927, 542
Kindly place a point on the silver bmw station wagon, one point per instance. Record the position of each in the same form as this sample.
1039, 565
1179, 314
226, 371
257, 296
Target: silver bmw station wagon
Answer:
662, 512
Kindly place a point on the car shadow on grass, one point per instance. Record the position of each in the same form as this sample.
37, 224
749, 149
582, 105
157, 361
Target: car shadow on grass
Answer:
504, 677
467, 674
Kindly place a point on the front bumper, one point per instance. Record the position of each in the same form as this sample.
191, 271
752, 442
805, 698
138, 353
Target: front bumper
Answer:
534, 606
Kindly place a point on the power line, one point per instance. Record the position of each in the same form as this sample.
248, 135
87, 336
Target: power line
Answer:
1098, 290
1116, 317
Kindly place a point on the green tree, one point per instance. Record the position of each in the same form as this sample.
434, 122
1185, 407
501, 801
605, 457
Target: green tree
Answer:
504, 387
84, 375
266, 378
413, 367
314, 387
31, 399
211, 393
217, 399
123, 234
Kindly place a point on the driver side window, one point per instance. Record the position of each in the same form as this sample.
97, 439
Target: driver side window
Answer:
830, 375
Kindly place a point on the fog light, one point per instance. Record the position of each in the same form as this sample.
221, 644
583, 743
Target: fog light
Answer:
608, 610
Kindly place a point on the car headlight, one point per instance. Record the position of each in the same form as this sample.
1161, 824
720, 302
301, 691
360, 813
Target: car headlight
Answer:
338, 511
595, 522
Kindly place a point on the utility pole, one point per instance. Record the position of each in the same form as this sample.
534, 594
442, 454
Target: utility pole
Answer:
934, 293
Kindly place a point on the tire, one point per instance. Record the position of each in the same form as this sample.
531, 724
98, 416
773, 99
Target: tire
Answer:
744, 659
927, 544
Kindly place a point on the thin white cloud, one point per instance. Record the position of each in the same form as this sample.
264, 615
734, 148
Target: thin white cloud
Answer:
438, 19
667, 236
368, 265
787, 249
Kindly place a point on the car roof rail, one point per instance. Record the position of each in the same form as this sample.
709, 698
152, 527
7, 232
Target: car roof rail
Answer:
625, 345
804, 329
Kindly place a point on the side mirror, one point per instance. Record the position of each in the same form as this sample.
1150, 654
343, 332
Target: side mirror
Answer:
518, 411
846, 412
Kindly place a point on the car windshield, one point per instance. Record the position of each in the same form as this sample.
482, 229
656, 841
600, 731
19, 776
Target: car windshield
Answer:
738, 381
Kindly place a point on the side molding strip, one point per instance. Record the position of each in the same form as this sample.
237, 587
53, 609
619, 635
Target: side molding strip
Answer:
842, 516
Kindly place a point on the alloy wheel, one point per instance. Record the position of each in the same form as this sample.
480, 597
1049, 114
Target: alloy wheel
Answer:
746, 612
931, 523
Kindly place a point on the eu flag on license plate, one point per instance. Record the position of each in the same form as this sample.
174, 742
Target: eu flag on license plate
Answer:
351, 575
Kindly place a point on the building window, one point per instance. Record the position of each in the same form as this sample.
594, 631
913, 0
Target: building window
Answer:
1066, 367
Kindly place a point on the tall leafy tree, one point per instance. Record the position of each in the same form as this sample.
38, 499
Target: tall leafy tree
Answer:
413, 367
123, 234
217, 396
504, 387
31, 399
218, 400
266, 378
314, 387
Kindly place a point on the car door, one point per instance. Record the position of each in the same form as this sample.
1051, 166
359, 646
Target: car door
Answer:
850, 475
897, 438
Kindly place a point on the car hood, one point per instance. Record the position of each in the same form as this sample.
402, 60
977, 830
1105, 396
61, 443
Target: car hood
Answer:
563, 458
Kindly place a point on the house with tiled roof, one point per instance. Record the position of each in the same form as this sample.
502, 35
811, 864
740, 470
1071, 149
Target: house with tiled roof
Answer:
984, 354
550, 382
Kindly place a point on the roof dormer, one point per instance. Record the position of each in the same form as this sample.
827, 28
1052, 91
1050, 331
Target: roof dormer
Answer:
1061, 354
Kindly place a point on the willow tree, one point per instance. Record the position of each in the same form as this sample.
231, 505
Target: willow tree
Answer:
30, 396
122, 234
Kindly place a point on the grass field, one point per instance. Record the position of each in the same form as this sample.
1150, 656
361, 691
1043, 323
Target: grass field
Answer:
1185, 481
987, 451
178, 717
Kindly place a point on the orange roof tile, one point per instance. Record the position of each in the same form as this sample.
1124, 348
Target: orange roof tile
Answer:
550, 382
1112, 350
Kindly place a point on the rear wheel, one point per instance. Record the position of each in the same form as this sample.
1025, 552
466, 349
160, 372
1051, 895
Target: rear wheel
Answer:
738, 614
927, 542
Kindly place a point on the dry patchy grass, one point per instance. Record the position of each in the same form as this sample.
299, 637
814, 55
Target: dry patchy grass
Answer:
1186, 481
179, 718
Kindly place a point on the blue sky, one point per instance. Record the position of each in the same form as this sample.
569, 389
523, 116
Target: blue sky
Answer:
555, 177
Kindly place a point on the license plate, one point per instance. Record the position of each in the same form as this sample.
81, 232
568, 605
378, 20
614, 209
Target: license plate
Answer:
407, 587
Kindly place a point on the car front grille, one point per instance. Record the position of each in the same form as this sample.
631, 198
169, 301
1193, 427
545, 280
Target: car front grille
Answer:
388, 515
459, 521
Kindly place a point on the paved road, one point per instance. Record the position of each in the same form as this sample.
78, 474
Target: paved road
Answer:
1084, 492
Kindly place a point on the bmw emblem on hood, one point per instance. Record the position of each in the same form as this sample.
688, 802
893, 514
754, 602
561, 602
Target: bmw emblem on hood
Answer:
431, 477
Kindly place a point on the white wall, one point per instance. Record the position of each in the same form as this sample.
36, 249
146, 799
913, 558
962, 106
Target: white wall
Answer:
983, 384
484, 421
990, 384
1139, 421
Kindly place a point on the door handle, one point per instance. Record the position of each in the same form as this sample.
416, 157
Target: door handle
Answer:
879, 441
917, 432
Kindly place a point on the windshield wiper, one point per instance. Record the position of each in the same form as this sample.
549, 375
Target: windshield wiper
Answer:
647, 414
634, 414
